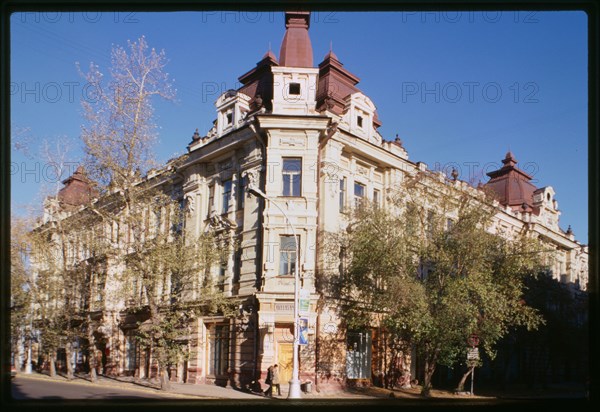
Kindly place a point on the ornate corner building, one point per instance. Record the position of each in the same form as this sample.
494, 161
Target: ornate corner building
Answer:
308, 138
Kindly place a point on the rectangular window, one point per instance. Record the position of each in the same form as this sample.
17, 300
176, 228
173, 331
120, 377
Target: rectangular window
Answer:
430, 223
130, 352
376, 198
229, 117
211, 198
179, 218
359, 194
226, 196
218, 350
221, 279
135, 294
359, 121
157, 219
100, 284
342, 194
287, 255
241, 191
295, 88
237, 274
292, 176
358, 355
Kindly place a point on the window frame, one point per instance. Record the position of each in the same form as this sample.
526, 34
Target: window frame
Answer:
218, 350
343, 194
211, 198
242, 184
359, 200
226, 190
285, 255
293, 86
290, 175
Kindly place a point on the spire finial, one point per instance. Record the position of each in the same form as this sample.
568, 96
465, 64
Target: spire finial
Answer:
296, 49
454, 174
196, 136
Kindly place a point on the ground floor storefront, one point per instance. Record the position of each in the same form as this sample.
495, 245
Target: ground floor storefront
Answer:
237, 351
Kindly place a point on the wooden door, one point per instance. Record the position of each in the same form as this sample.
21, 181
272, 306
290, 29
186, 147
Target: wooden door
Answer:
285, 361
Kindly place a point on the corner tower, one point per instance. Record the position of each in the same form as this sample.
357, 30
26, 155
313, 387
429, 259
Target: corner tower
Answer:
295, 79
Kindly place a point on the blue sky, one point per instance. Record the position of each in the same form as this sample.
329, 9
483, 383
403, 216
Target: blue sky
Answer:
459, 88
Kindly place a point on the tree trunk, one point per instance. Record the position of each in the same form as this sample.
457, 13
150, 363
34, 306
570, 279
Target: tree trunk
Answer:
51, 360
165, 384
430, 364
68, 354
150, 353
92, 354
461, 384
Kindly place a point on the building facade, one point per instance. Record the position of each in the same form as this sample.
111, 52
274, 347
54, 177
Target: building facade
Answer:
307, 137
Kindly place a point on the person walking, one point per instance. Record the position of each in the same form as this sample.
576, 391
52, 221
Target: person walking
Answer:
269, 382
275, 380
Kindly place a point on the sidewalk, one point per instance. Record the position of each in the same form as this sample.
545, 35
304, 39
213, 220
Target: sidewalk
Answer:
186, 390
208, 392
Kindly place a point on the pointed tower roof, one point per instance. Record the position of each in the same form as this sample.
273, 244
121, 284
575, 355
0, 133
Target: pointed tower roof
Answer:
296, 48
269, 55
512, 185
78, 189
259, 81
335, 84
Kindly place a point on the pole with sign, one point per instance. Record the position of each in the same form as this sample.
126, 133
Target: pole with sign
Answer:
303, 302
303, 331
473, 356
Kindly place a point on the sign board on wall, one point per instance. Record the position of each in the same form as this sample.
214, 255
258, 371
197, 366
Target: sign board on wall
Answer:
303, 331
304, 302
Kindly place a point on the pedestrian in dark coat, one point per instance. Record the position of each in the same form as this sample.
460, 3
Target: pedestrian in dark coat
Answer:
269, 382
275, 379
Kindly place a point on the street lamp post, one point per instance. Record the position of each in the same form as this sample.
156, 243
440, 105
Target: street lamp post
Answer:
294, 391
28, 369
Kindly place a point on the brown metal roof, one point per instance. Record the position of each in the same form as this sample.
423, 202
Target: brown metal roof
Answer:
511, 185
296, 49
78, 189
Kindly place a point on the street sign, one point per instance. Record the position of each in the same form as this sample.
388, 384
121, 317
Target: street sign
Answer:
303, 302
473, 340
473, 354
303, 331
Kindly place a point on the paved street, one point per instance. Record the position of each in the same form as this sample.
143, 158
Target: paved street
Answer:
41, 387
36, 387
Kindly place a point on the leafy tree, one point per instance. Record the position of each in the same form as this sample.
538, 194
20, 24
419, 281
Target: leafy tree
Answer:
432, 273
173, 277
160, 259
56, 245
62, 250
20, 284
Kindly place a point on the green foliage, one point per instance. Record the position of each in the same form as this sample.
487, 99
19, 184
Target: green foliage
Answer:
433, 274
20, 283
172, 268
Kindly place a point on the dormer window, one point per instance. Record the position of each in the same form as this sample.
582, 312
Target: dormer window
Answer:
230, 108
359, 121
294, 89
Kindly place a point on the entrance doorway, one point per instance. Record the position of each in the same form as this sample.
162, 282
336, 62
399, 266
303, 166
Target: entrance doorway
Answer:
285, 354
